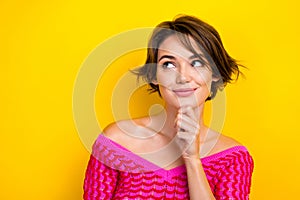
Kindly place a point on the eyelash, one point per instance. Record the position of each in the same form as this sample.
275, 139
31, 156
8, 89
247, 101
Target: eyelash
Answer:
194, 61
165, 64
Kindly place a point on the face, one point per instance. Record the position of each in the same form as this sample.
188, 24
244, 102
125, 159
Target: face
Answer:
184, 78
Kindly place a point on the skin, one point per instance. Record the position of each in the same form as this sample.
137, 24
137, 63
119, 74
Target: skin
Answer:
184, 81
179, 70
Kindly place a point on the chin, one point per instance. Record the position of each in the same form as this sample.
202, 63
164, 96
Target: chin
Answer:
194, 101
185, 103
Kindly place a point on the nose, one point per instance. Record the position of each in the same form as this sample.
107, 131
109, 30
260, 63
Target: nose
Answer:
184, 74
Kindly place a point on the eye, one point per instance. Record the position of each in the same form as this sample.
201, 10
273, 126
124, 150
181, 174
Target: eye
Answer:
197, 63
168, 65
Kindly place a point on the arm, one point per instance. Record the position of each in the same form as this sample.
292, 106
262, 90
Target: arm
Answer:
100, 181
234, 181
198, 184
188, 136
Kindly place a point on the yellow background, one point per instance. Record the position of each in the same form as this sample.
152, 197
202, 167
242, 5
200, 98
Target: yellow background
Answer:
43, 44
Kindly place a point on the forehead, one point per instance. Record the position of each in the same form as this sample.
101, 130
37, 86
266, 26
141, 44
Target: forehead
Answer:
173, 45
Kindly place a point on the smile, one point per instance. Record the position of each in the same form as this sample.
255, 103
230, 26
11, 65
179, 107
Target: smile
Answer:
185, 92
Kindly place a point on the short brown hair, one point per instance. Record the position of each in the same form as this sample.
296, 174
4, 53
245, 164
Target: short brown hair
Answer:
208, 40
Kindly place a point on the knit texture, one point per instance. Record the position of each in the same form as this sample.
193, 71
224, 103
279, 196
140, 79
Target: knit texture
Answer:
114, 172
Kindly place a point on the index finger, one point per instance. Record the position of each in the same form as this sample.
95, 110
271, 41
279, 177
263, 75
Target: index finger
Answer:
189, 111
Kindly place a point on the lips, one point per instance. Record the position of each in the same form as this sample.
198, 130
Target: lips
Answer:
184, 92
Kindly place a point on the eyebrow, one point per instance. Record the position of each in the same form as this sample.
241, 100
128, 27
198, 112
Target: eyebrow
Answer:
167, 56
173, 58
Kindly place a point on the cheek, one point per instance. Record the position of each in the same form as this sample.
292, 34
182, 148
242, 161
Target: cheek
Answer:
204, 79
166, 79
169, 97
165, 93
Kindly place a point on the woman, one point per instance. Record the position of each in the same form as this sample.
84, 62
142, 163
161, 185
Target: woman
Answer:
174, 155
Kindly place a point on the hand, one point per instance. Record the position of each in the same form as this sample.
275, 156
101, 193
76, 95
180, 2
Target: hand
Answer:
188, 132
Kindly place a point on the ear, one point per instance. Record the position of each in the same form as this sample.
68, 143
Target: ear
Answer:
215, 79
154, 82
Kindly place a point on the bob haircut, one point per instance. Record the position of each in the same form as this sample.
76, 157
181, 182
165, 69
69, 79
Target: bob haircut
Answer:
208, 41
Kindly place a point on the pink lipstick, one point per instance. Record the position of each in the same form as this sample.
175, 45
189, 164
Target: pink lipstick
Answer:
184, 92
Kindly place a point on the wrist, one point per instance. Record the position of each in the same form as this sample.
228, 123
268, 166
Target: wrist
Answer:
192, 161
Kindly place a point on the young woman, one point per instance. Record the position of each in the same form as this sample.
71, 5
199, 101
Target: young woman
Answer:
174, 155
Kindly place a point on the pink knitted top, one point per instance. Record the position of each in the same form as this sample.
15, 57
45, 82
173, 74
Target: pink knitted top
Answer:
114, 172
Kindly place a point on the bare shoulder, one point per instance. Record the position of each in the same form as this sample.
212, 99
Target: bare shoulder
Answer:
227, 142
125, 132
224, 142
116, 131
112, 131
